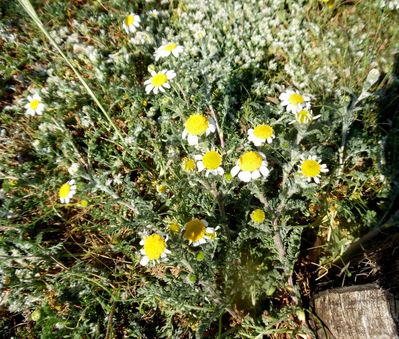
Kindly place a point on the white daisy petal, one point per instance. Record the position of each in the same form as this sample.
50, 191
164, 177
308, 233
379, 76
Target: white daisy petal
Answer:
255, 174
283, 96
200, 166
257, 142
170, 74
148, 89
245, 176
192, 140
264, 171
211, 128
144, 261
234, 171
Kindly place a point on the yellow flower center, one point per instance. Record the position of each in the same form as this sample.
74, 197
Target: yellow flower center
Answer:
250, 161
159, 79
12, 182
310, 168
228, 176
161, 188
212, 160
195, 230
174, 227
129, 20
263, 131
170, 47
329, 3
197, 124
154, 246
258, 216
64, 191
188, 165
296, 99
34, 104
83, 203
303, 117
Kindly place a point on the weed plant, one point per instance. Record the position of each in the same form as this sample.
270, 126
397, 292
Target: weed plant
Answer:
160, 161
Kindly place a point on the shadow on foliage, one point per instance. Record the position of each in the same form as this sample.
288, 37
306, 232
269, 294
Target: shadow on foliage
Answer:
372, 258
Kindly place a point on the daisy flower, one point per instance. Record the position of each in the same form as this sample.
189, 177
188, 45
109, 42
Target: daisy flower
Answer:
154, 249
311, 168
195, 126
34, 105
168, 49
304, 117
188, 165
153, 13
258, 216
251, 165
211, 162
260, 134
161, 188
197, 232
294, 101
158, 81
67, 191
131, 23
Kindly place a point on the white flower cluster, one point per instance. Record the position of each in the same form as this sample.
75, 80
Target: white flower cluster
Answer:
220, 37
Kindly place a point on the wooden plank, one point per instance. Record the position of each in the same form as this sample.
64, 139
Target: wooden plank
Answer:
357, 312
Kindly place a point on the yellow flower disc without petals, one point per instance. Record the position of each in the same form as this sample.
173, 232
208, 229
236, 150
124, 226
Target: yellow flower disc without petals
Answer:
250, 161
34, 104
159, 79
329, 3
197, 124
258, 216
154, 246
212, 160
188, 165
129, 20
83, 203
170, 47
296, 99
310, 168
174, 227
64, 191
194, 230
263, 131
